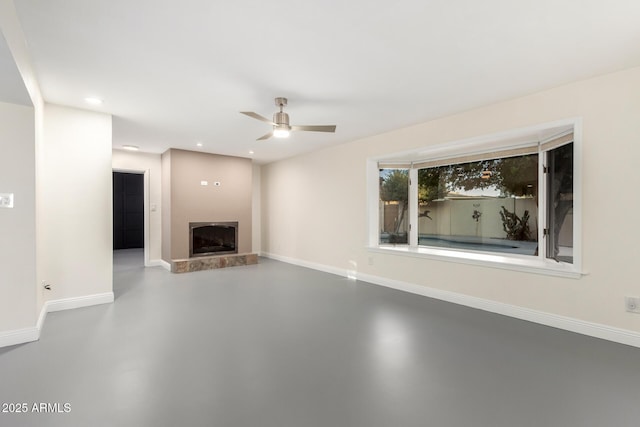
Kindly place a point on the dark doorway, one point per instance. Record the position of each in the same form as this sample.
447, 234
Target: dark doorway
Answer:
128, 210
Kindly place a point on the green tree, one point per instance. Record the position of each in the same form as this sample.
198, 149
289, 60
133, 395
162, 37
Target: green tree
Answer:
394, 187
512, 176
430, 186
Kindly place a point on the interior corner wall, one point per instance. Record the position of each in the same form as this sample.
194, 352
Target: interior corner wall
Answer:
17, 224
256, 205
165, 161
151, 164
190, 201
320, 217
75, 203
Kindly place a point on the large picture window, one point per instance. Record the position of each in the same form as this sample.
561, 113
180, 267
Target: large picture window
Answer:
487, 205
511, 198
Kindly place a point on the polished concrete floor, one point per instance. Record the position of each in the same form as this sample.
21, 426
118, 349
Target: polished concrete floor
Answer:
275, 345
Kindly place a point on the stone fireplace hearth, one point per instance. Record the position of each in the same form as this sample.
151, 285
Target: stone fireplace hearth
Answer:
212, 262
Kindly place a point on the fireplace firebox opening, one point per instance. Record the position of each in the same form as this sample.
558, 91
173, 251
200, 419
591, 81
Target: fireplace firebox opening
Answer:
212, 238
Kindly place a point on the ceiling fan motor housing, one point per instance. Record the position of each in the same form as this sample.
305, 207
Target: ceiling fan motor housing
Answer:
281, 120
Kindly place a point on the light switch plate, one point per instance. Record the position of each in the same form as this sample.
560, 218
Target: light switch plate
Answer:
6, 200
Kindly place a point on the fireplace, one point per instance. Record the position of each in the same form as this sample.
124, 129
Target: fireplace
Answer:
213, 238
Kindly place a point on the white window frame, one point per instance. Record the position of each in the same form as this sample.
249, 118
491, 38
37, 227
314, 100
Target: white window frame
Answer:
539, 264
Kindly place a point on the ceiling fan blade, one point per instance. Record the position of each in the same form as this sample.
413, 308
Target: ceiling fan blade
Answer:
267, 136
319, 128
257, 117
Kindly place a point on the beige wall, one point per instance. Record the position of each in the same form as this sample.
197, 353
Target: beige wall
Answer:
299, 196
150, 165
256, 204
189, 201
17, 225
165, 161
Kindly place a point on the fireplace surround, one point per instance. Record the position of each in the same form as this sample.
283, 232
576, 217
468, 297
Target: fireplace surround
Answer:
213, 238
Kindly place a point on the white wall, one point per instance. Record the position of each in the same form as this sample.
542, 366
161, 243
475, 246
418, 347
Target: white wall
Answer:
57, 162
150, 164
75, 203
17, 225
301, 222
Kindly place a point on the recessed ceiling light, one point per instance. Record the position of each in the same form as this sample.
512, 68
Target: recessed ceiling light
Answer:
250, 151
131, 147
199, 144
93, 100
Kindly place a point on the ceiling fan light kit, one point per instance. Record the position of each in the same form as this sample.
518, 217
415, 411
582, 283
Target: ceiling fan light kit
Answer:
281, 132
280, 123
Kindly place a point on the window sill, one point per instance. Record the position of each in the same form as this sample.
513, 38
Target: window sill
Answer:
534, 265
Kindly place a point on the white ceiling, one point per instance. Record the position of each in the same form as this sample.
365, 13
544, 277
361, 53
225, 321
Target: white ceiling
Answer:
173, 73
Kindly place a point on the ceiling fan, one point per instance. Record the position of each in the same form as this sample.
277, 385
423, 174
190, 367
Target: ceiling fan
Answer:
280, 123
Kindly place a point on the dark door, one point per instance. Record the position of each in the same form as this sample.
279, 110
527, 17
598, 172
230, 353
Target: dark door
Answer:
128, 210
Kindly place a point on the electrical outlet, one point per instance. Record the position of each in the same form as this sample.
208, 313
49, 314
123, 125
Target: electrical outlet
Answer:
6, 200
632, 304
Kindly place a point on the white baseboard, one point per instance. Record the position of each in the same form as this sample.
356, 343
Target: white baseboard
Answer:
42, 317
591, 329
159, 263
21, 336
77, 302
307, 264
